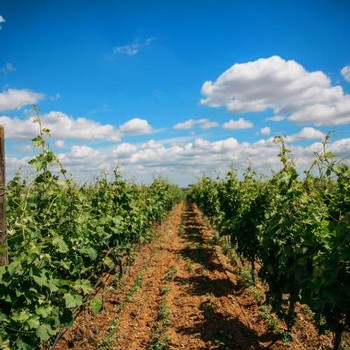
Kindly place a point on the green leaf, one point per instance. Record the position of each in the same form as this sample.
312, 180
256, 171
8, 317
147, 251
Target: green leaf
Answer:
83, 285
21, 316
44, 332
38, 141
96, 306
50, 156
33, 322
44, 311
73, 300
329, 154
41, 281
52, 284
117, 220
92, 253
36, 163
107, 261
14, 267
46, 131
60, 244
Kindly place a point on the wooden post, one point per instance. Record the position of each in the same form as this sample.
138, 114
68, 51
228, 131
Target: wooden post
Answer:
3, 230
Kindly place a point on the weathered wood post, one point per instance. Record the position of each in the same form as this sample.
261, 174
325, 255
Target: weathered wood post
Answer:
3, 230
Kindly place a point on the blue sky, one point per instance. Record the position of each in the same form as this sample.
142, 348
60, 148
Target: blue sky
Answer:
174, 88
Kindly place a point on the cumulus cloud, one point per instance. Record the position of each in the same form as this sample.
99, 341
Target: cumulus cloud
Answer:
133, 48
284, 86
306, 134
62, 127
345, 72
124, 150
241, 123
184, 162
136, 126
202, 123
83, 160
7, 68
265, 131
82, 152
12, 98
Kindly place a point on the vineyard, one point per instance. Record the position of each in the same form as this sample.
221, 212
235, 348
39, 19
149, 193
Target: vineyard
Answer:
286, 236
295, 230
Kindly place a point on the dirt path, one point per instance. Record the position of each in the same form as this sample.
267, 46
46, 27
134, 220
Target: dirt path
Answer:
182, 293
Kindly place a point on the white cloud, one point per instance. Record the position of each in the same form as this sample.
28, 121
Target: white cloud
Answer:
283, 86
134, 48
60, 144
62, 127
13, 165
276, 118
188, 124
265, 131
18, 129
202, 123
13, 98
184, 162
136, 126
124, 150
241, 123
84, 161
345, 72
321, 114
7, 68
307, 133
209, 125
82, 152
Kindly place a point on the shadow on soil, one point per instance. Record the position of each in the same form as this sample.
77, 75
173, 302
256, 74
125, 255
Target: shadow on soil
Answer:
223, 333
192, 227
217, 330
202, 255
201, 285
201, 252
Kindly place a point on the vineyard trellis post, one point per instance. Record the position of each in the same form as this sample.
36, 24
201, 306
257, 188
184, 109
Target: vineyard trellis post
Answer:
3, 229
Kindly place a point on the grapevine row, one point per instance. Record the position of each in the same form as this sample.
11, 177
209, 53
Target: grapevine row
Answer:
62, 237
296, 228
